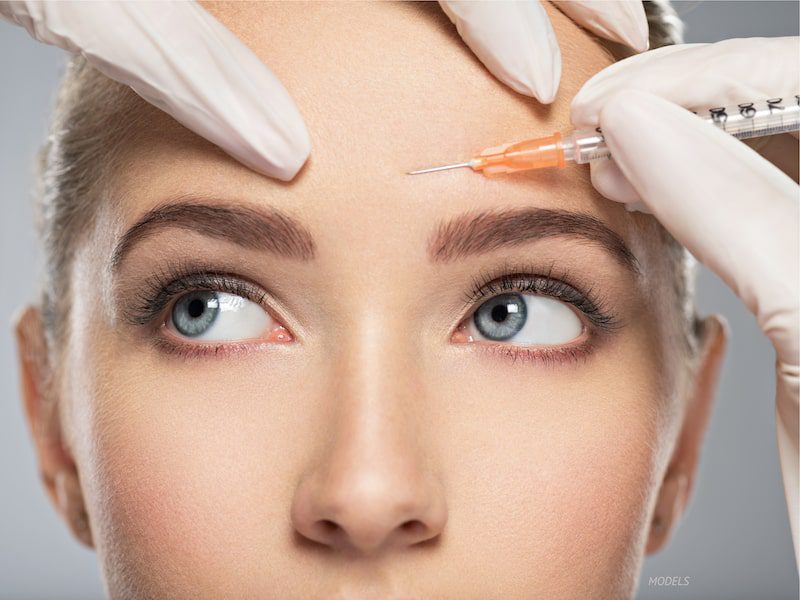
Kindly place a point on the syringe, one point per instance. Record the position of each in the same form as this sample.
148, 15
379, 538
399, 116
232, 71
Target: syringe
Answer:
743, 120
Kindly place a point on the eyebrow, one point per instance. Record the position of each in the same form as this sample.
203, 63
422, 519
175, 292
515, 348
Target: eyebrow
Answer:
479, 232
262, 229
468, 234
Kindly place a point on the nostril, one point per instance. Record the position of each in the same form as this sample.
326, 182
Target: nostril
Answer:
328, 526
413, 526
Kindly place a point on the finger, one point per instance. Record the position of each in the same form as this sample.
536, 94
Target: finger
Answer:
624, 21
514, 40
730, 207
607, 178
698, 75
179, 58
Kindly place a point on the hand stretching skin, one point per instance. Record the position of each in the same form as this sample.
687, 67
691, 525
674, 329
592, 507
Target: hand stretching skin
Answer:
179, 58
182, 60
734, 210
516, 42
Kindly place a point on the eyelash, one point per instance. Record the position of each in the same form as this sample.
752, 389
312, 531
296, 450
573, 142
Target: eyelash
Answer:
168, 284
176, 279
528, 278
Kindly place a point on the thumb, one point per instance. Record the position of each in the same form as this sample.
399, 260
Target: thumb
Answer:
734, 210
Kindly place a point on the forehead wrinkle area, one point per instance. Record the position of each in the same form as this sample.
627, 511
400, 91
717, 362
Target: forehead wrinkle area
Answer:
479, 232
266, 229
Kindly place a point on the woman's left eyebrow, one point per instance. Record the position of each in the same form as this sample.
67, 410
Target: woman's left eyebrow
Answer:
265, 228
478, 232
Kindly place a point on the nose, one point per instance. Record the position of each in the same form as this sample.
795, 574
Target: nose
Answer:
368, 511
371, 487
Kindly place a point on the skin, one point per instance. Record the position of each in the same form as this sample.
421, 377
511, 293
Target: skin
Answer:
449, 471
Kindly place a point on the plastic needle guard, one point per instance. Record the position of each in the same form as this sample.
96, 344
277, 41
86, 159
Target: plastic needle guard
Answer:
540, 153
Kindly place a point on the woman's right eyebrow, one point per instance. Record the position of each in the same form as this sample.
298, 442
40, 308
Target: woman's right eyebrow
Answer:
256, 228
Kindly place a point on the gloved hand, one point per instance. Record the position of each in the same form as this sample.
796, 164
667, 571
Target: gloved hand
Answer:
516, 42
733, 209
178, 57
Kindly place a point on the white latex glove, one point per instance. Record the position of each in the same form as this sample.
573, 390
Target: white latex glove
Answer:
181, 59
516, 42
734, 210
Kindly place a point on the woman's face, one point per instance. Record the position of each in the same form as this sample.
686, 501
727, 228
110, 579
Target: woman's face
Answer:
323, 423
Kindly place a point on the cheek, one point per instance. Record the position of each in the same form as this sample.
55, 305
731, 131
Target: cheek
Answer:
573, 497
561, 462
188, 460
599, 480
164, 484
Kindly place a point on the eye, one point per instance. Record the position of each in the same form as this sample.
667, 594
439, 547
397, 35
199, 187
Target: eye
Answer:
526, 320
217, 316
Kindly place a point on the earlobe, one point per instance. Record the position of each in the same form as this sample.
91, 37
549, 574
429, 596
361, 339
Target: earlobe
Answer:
672, 498
676, 488
56, 466
70, 500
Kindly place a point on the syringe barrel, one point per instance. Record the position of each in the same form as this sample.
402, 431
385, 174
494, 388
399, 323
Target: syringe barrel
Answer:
755, 119
780, 114
584, 145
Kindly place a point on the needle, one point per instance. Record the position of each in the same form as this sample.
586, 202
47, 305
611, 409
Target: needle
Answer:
444, 168
585, 145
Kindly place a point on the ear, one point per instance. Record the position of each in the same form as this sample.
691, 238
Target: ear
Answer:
57, 469
678, 483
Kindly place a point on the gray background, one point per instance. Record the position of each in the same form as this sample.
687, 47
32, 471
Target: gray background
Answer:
734, 541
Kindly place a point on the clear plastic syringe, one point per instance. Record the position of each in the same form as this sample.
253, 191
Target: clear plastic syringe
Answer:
743, 120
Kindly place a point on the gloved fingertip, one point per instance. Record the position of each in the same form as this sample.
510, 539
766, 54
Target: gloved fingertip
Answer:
278, 158
299, 154
545, 87
610, 182
288, 172
295, 160
627, 24
529, 59
546, 98
580, 115
621, 21
638, 32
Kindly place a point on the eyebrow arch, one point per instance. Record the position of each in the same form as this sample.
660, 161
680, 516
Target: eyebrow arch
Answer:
478, 232
262, 229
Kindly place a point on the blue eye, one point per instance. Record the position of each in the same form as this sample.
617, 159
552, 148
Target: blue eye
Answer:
194, 313
501, 317
526, 320
217, 316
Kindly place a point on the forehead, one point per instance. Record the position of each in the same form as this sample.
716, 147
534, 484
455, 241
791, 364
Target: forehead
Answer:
394, 82
384, 88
